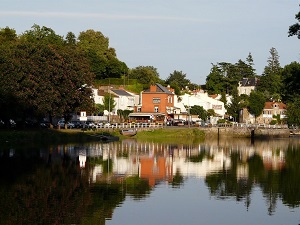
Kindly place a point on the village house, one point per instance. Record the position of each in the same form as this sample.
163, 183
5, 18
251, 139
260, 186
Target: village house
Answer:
201, 98
246, 85
270, 111
156, 104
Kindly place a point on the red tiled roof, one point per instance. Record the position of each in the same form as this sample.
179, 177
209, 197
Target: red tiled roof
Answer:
269, 105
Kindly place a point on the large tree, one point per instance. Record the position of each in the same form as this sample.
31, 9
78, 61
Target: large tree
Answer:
215, 81
271, 80
103, 59
233, 108
178, 79
256, 103
291, 82
42, 78
198, 110
293, 112
146, 75
295, 28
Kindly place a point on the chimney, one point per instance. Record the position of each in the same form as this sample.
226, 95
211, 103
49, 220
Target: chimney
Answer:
153, 88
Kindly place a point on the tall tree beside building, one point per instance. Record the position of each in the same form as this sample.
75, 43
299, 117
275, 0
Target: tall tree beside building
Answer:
215, 81
256, 103
271, 79
291, 82
146, 75
233, 108
178, 79
103, 59
293, 112
40, 78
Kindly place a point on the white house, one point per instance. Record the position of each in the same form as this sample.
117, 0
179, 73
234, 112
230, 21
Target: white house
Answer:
124, 100
202, 99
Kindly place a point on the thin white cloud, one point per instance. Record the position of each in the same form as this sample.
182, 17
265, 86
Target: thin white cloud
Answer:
95, 16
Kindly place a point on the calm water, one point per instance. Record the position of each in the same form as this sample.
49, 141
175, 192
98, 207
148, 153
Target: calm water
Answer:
216, 182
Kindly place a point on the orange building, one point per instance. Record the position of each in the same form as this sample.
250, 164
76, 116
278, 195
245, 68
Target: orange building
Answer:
157, 103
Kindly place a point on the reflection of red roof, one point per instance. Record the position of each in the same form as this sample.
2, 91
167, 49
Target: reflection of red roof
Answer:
271, 105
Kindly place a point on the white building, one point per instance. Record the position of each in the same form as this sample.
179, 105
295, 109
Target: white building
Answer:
124, 100
201, 99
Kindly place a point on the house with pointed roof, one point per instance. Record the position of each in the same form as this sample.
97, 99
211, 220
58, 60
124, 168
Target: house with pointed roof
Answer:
156, 103
270, 111
246, 85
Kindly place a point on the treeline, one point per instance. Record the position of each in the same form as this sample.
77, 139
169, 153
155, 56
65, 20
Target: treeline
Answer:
47, 75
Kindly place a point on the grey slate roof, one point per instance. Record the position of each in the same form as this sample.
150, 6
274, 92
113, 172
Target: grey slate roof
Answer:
121, 92
160, 88
246, 82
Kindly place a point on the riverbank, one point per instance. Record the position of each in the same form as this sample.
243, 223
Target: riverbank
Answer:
51, 136
168, 135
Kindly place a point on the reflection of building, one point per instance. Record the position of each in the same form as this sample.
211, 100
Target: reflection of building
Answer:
158, 162
273, 160
154, 169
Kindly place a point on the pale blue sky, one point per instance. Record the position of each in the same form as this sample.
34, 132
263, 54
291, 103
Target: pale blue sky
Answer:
170, 35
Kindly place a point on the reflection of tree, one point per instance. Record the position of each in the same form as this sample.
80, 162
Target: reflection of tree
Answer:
138, 188
290, 179
34, 192
107, 166
225, 183
273, 183
53, 194
105, 198
177, 179
197, 158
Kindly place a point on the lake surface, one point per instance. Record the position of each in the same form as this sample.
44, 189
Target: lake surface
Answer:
224, 182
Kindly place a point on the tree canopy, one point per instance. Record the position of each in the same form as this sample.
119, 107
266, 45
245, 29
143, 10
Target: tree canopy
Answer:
271, 80
43, 78
295, 28
146, 75
256, 103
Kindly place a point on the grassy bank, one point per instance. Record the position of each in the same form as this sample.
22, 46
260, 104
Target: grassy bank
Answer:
172, 135
53, 136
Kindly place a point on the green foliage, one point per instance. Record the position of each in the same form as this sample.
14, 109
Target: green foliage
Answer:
295, 28
256, 103
123, 114
234, 107
109, 102
99, 108
7, 35
293, 112
224, 77
200, 111
271, 80
102, 58
178, 79
146, 75
39, 79
291, 81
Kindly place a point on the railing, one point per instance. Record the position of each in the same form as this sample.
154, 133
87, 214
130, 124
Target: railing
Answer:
131, 125
260, 126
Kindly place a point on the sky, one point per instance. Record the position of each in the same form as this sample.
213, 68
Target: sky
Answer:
187, 36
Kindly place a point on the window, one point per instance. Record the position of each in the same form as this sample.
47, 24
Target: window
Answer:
156, 100
139, 109
156, 109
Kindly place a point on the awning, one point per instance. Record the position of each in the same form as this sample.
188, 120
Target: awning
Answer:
142, 114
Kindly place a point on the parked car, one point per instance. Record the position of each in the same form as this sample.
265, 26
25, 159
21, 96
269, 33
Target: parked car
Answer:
60, 124
91, 125
70, 125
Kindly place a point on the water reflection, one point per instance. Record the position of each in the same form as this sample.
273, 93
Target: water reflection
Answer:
83, 184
